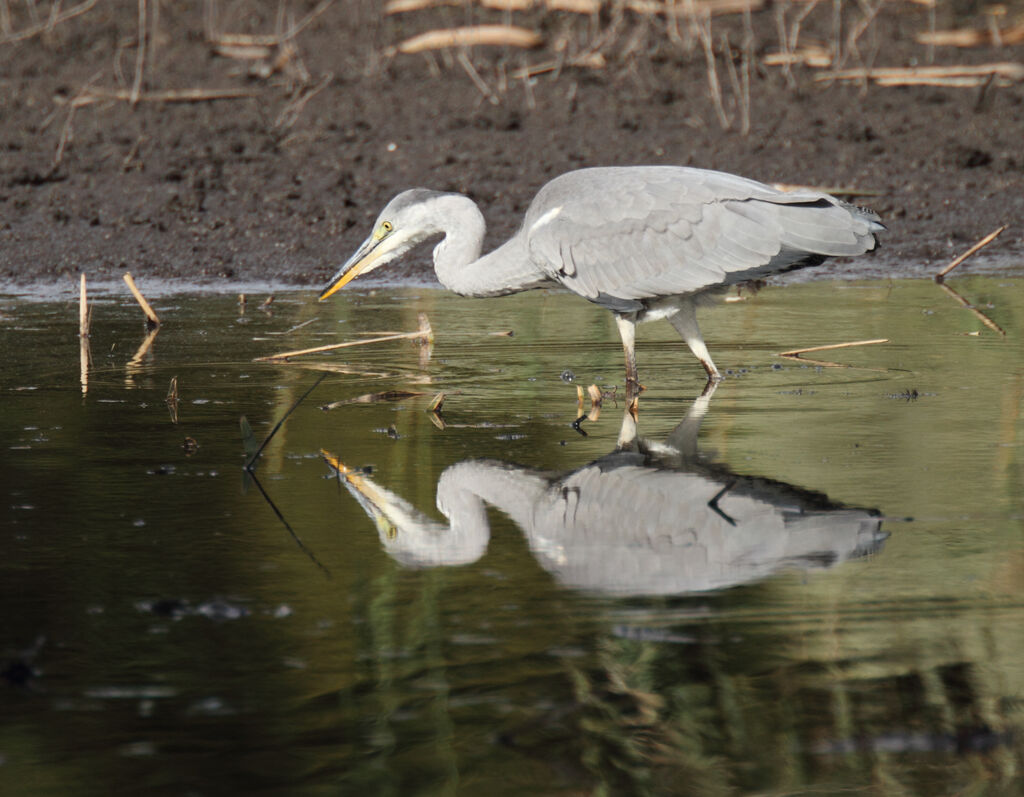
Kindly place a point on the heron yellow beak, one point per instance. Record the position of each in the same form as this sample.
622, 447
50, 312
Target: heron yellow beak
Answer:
361, 261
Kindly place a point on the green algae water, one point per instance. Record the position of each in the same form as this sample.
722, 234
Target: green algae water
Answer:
808, 582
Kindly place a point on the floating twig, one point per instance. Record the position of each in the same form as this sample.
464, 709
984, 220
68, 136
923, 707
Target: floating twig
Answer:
795, 353
978, 246
424, 333
152, 320
374, 398
966, 304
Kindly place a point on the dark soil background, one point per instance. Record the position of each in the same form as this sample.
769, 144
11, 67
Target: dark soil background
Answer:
283, 183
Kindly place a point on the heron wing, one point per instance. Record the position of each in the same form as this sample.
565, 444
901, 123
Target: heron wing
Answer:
619, 235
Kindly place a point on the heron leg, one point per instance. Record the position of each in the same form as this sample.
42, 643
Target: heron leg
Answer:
627, 331
685, 322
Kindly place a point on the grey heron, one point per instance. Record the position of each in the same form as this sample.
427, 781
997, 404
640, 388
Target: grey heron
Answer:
647, 519
646, 242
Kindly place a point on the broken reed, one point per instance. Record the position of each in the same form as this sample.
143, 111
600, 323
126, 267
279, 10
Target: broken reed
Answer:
152, 319
424, 333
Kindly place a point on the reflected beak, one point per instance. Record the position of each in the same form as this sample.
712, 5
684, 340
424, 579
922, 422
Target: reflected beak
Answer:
364, 257
378, 503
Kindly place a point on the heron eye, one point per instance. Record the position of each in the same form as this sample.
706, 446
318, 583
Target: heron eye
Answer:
391, 532
386, 226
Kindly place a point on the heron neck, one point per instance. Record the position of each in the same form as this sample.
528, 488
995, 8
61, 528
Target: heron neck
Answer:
460, 248
459, 265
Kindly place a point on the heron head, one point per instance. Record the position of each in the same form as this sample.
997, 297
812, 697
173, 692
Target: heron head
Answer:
405, 221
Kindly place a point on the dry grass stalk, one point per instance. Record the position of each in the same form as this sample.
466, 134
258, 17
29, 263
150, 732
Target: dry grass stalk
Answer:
474, 76
714, 87
425, 333
967, 305
813, 55
93, 96
140, 55
56, 17
152, 320
960, 75
977, 247
470, 36
740, 89
795, 353
588, 60
973, 37
574, 6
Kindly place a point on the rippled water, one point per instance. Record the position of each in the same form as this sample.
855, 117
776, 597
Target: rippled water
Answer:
811, 581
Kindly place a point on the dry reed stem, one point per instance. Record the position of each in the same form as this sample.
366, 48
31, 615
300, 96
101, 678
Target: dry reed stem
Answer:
972, 37
293, 110
797, 352
469, 36
894, 76
474, 76
56, 17
830, 364
170, 95
152, 319
812, 55
966, 304
714, 88
135, 363
424, 333
589, 60
978, 246
140, 55
84, 360
83, 311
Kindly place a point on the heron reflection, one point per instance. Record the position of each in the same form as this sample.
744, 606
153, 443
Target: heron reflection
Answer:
646, 519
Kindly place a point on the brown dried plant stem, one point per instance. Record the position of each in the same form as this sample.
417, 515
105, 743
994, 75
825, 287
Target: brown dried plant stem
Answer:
83, 311
977, 247
55, 19
850, 344
968, 306
152, 320
423, 333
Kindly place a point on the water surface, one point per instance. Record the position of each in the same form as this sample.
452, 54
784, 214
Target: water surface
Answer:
818, 586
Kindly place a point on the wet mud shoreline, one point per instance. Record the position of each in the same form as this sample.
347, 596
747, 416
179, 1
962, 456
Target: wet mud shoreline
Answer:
280, 180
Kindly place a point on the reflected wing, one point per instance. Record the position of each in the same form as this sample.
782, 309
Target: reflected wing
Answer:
617, 235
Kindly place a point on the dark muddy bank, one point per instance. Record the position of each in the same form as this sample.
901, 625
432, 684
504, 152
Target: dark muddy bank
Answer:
282, 183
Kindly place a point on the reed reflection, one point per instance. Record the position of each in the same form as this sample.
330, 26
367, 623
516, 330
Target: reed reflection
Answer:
649, 518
